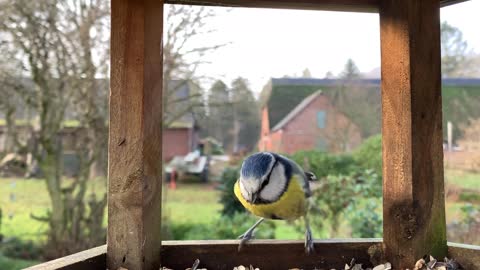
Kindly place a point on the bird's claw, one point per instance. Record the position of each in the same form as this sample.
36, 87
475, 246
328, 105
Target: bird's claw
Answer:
244, 238
309, 249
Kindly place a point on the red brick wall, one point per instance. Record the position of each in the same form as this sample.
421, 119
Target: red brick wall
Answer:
176, 141
265, 142
303, 133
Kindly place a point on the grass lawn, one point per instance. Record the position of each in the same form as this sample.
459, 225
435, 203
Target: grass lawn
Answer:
20, 198
189, 203
199, 204
14, 264
462, 179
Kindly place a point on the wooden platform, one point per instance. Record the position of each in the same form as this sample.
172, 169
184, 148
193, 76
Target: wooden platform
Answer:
264, 254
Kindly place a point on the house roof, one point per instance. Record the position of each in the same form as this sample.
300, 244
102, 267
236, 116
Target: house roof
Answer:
374, 82
323, 82
299, 108
282, 95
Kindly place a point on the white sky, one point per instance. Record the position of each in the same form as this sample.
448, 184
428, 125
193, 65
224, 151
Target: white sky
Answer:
269, 43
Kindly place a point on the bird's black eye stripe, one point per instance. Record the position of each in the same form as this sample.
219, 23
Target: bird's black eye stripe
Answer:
267, 180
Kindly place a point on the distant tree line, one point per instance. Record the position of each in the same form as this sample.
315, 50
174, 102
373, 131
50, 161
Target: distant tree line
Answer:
231, 116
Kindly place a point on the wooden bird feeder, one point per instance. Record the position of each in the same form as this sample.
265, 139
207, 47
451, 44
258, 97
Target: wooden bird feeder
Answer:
413, 182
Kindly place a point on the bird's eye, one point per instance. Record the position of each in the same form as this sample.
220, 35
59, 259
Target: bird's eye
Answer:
267, 179
265, 183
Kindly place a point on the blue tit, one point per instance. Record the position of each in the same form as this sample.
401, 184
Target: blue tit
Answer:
274, 187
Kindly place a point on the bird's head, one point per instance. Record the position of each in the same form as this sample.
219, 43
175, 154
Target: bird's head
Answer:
262, 177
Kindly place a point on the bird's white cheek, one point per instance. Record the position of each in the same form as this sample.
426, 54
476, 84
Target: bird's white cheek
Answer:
276, 186
243, 190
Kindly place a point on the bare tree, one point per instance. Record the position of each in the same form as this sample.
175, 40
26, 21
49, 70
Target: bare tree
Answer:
458, 60
9, 101
53, 42
185, 25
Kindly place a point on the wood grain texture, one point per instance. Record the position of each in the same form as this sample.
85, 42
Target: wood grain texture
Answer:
334, 5
135, 141
467, 255
94, 258
269, 254
413, 187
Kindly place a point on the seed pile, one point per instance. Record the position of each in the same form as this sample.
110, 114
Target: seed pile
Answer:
430, 263
426, 263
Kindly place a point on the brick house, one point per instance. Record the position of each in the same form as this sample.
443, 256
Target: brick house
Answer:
179, 139
314, 123
361, 105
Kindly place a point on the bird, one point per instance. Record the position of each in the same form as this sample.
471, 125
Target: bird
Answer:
272, 186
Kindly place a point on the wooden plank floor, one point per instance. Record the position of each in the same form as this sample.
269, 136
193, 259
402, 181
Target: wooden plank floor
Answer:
268, 254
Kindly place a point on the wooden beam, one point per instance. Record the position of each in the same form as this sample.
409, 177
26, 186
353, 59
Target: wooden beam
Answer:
94, 258
223, 254
413, 187
467, 255
270, 254
135, 139
446, 3
333, 5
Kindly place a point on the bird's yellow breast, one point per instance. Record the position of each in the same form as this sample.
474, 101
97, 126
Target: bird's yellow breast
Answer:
290, 206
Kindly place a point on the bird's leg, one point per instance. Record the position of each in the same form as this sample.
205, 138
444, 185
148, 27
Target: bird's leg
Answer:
248, 234
308, 237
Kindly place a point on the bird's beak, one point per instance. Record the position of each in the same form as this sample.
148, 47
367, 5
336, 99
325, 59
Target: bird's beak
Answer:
254, 197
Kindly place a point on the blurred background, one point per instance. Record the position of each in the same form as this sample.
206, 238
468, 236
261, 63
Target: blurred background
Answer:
302, 83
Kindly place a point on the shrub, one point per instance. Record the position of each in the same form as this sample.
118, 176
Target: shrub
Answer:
230, 227
368, 155
470, 196
365, 220
225, 227
337, 195
466, 231
19, 249
1, 235
190, 231
323, 164
230, 203
14, 264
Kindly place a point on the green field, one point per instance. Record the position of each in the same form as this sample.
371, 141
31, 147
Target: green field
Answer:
462, 179
13, 264
189, 203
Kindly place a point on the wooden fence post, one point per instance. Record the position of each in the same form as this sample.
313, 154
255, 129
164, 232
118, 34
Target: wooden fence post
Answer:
135, 138
413, 188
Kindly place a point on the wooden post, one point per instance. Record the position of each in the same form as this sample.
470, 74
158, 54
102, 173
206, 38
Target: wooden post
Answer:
135, 138
413, 188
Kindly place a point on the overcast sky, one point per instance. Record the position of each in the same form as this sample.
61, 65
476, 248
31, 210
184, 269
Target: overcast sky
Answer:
269, 43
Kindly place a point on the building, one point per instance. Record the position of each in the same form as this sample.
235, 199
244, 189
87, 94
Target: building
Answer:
181, 135
360, 103
314, 123
179, 139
